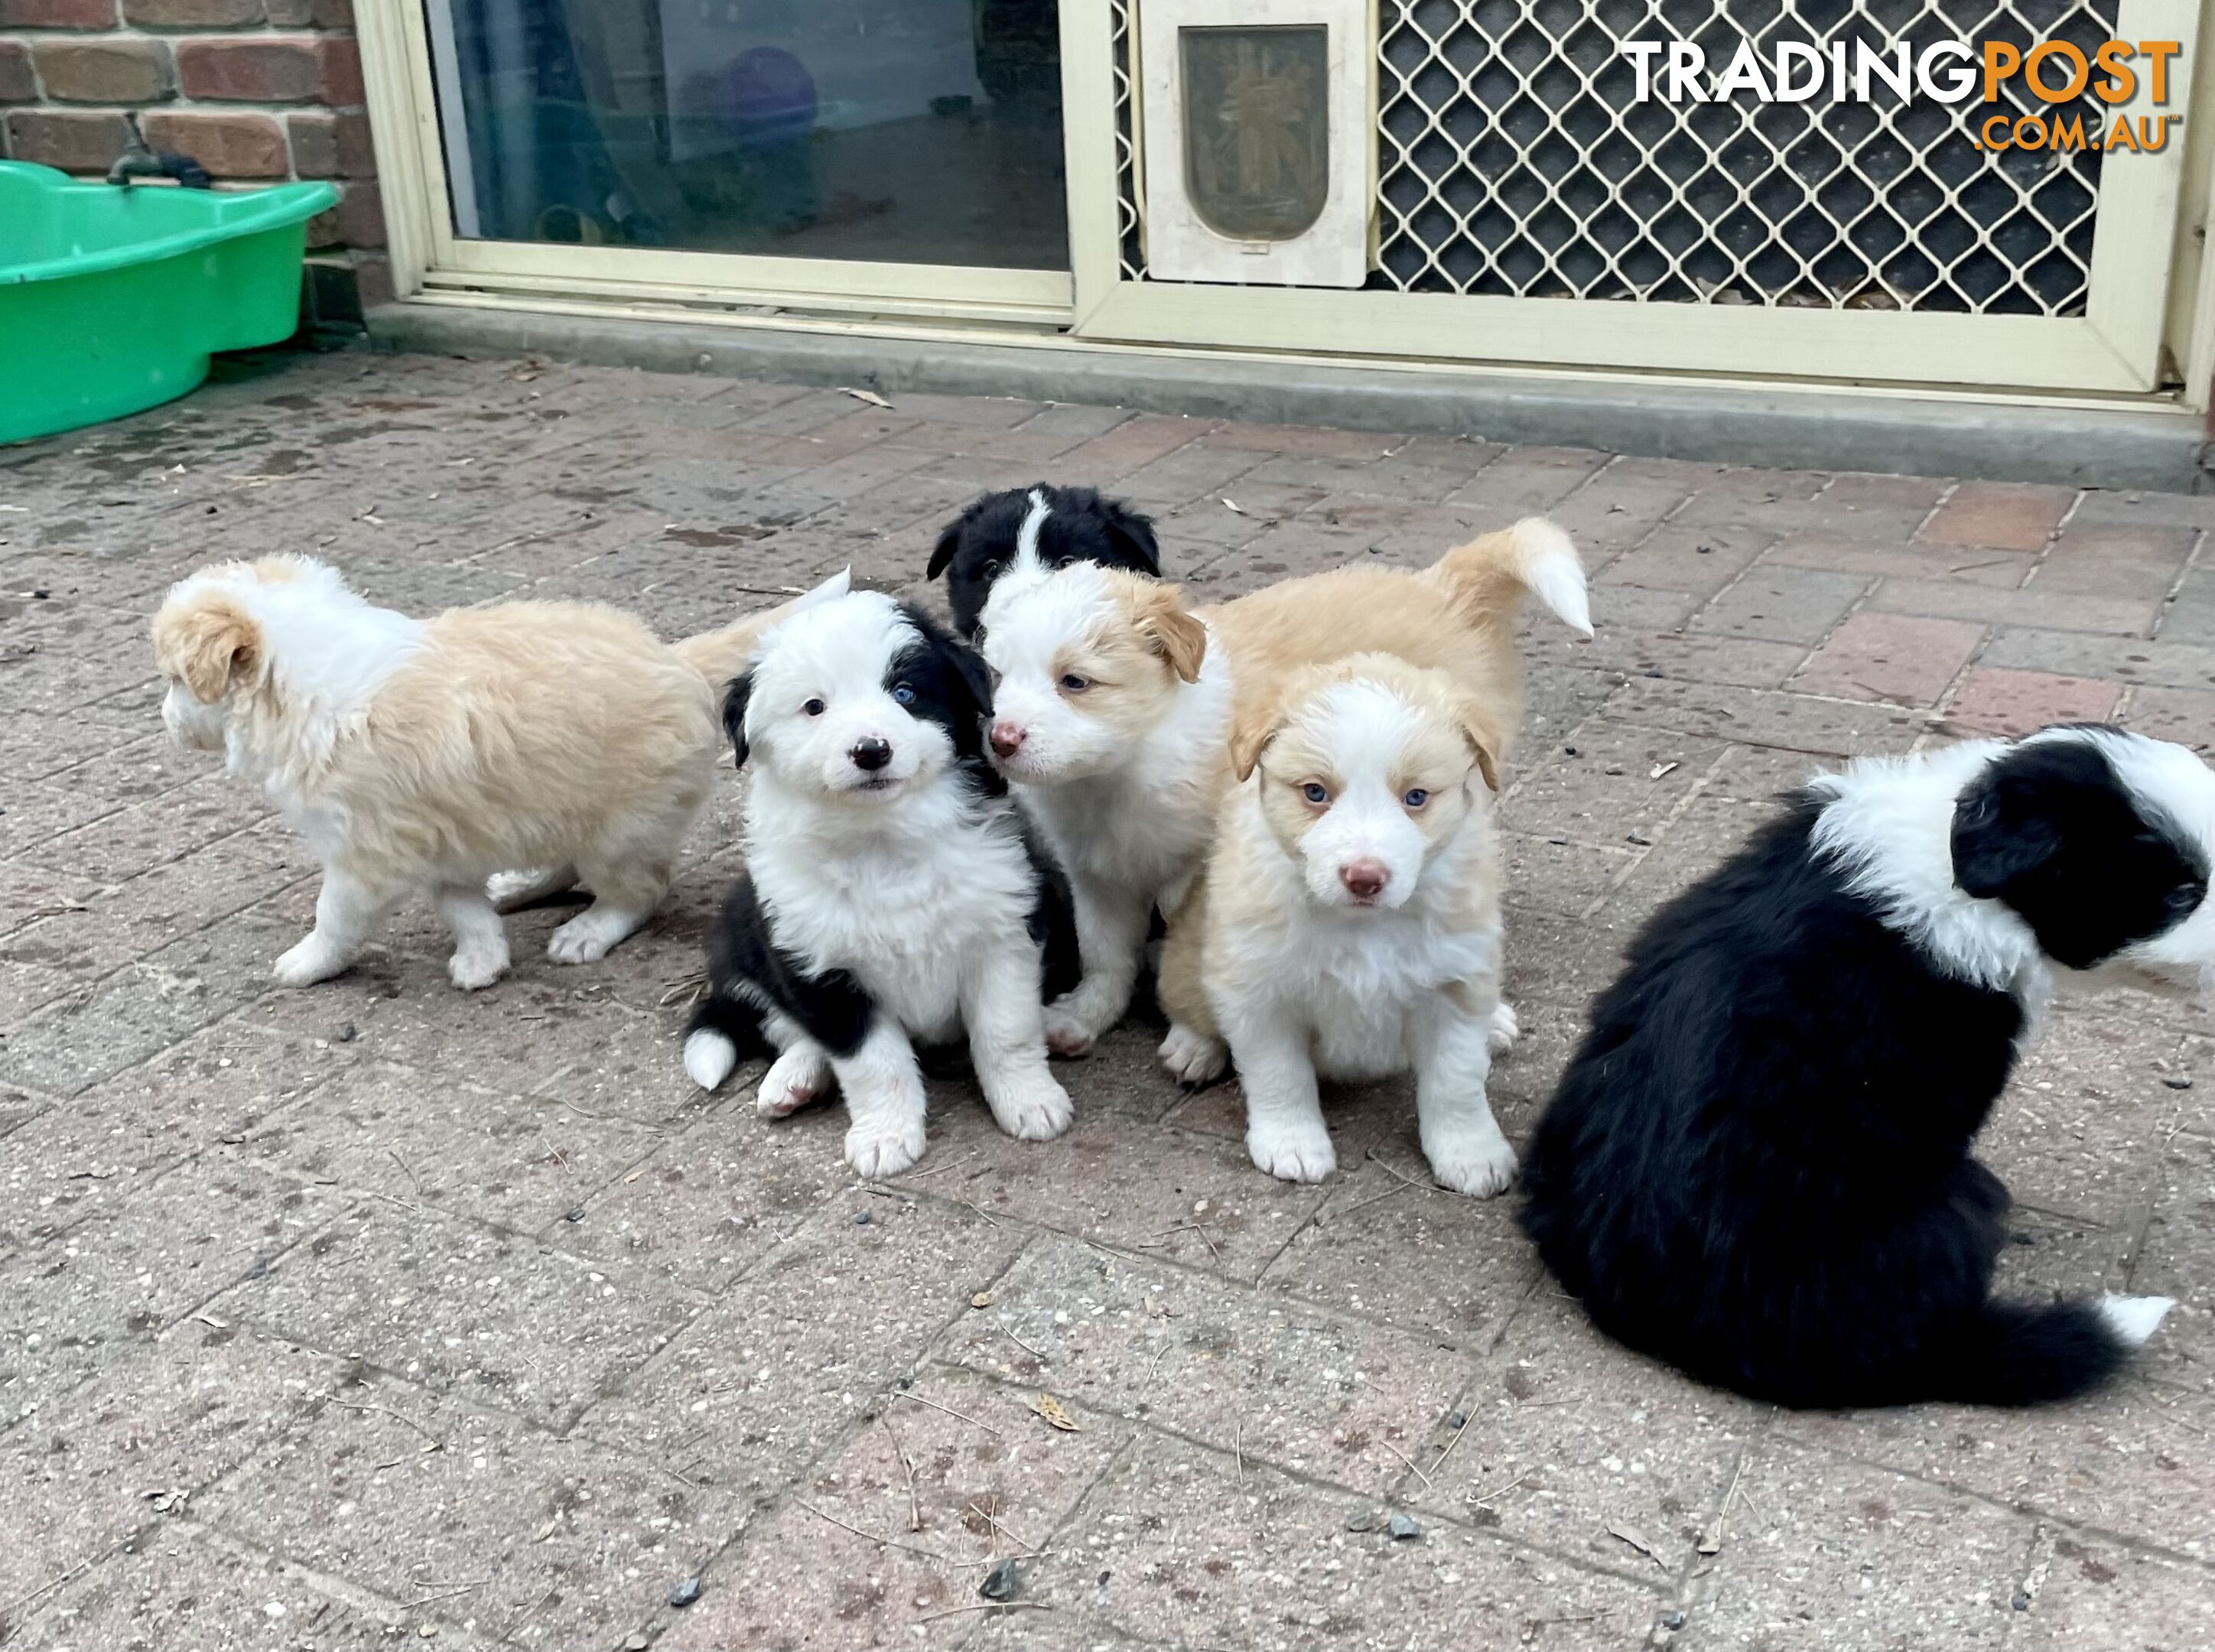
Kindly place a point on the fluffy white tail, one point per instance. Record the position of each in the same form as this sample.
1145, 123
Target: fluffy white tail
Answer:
1489, 575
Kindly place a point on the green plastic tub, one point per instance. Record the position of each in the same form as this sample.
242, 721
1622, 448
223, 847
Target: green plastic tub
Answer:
112, 298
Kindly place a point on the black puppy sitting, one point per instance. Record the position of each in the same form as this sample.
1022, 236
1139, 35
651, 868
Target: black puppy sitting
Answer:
1041, 528
1757, 1166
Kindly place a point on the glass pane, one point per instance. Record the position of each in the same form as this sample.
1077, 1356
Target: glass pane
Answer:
919, 132
1257, 128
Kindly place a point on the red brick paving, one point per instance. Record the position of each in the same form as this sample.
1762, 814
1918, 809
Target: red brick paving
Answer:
377, 1312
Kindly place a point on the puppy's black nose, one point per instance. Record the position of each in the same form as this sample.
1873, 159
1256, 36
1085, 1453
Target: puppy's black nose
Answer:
871, 754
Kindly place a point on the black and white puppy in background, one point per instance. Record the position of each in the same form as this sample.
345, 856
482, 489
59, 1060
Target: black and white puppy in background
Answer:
1758, 1167
892, 894
1035, 530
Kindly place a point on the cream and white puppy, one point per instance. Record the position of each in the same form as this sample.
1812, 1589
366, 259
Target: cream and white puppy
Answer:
425, 756
1113, 700
1347, 925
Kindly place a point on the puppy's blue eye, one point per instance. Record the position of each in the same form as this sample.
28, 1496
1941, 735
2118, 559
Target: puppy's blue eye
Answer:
1315, 793
814, 708
2185, 897
1072, 683
1416, 798
991, 567
903, 693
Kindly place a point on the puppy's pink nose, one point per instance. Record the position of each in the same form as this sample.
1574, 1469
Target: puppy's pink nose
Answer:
1363, 880
1008, 737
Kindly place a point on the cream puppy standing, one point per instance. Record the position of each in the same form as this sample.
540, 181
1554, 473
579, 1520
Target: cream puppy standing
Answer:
1347, 924
1114, 700
428, 755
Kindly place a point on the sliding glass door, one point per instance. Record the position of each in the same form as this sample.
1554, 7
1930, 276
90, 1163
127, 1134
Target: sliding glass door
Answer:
923, 133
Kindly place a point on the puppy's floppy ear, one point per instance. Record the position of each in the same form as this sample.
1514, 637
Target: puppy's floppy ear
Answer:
2004, 830
1253, 725
1131, 534
1484, 740
735, 700
208, 646
950, 540
975, 676
1172, 630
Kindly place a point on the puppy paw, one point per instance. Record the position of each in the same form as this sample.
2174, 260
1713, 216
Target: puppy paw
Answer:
708, 1057
1069, 1032
313, 960
1037, 1111
1292, 1152
794, 1079
878, 1151
1193, 1058
1476, 1161
1505, 1028
585, 938
472, 968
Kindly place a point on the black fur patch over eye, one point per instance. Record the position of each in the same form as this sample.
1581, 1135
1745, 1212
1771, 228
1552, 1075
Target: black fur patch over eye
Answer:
948, 685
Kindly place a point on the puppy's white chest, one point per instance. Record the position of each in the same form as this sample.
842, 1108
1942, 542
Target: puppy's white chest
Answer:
909, 930
1367, 988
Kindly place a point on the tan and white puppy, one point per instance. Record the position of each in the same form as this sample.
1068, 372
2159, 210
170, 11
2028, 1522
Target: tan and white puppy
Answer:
429, 755
1347, 924
1114, 701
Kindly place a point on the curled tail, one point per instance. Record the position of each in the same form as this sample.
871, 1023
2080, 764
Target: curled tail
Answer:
722, 654
2027, 1354
1489, 575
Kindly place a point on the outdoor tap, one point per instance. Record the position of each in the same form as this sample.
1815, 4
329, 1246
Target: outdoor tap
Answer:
137, 161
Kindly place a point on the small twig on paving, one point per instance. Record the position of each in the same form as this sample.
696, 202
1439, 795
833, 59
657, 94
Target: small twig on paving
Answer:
1390, 1168
413, 1178
874, 1537
387, 1411
684, 989
1441, 1461
1712, 1542
1021, 1344
914, 1504
902, 1394
981, 1210
44, 1588
1517, 1484
1000, 1527
2175, 1416
1373, 1199
987, 1605
1409, 1461
1238, 1448
445, 1592
1155, 1365
1200, 1228
918, 1175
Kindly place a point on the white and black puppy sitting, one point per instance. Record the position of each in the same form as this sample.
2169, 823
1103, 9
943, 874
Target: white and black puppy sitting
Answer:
893, 895
1035, 530
1758, 1164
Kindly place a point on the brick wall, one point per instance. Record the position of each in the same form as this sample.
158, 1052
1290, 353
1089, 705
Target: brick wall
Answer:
255, 91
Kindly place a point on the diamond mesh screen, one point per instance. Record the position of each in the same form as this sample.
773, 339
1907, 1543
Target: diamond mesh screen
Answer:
1513, 161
